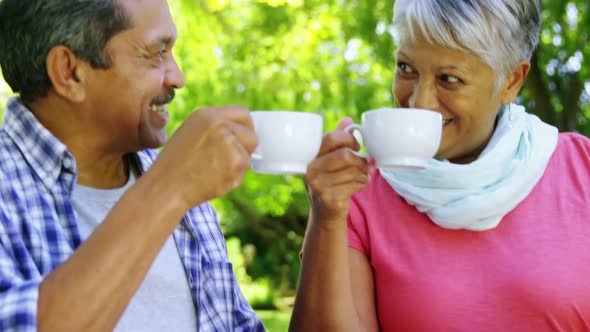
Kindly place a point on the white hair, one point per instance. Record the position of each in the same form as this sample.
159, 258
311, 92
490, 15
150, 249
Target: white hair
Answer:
502, 33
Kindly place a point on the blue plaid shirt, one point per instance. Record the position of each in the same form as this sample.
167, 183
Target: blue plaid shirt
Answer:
39, 231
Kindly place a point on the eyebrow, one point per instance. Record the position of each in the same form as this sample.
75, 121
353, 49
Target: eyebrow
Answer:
400, 53
447, 67
163, 40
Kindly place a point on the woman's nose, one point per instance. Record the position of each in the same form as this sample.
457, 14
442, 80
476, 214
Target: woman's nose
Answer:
424, 96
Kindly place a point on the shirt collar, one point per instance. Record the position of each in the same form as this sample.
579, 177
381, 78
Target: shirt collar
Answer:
46, 155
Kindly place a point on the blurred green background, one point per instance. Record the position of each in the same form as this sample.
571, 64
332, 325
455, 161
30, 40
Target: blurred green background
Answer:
335, 58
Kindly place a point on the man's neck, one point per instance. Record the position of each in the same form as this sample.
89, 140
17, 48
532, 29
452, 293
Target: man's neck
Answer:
98, 167
102, 172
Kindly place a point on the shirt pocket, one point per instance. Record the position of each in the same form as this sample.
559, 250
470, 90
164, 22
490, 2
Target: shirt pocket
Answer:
217, 296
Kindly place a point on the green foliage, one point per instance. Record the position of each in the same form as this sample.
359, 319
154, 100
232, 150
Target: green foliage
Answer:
558, 86
333, 58
316, 56
259, 293
274, 321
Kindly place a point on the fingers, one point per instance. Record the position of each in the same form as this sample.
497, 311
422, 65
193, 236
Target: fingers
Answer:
240, 164
337, 160
235, 119
337, 169
336, 174
331, 203
355, 178
235, 114
345, 122
336, 140
339, 138
245, 135
228, 157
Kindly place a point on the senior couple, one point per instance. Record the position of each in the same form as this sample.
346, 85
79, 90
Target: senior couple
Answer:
99, 232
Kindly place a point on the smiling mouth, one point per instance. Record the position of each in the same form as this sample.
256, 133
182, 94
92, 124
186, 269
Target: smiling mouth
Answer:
158, 108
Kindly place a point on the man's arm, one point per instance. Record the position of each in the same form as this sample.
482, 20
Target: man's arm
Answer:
91, 289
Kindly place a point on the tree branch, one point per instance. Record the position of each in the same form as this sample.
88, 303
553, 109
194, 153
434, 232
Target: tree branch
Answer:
571, 101
540, 92
250, 217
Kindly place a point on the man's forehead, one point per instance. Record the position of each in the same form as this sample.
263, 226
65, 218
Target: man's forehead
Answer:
152, 17
137, 9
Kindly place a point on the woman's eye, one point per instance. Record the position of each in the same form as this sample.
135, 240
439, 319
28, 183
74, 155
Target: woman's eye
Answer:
450, 79
404, 68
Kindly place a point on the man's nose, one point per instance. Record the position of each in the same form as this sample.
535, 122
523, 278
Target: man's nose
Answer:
174, 77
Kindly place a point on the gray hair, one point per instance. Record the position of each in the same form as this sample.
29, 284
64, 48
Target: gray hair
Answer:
29, 29
501, 33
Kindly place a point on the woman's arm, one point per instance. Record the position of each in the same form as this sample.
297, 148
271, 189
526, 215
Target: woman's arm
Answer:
325, 297
363, 290
336, 288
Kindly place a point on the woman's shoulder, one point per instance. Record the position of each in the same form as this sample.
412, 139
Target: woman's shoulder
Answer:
569, 166
574, 147
575, 138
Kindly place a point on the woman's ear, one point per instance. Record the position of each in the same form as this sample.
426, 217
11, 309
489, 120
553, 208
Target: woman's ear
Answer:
514, 81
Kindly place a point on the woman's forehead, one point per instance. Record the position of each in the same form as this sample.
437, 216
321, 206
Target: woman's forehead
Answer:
419, 50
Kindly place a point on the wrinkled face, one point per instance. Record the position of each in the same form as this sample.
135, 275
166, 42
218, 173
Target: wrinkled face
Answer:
456, 84
129, 99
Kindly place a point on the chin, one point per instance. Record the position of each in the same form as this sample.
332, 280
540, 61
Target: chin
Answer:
440, 156
155, 142
443, 152
158, 144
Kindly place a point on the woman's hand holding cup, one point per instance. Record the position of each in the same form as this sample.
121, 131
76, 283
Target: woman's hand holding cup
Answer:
335, 175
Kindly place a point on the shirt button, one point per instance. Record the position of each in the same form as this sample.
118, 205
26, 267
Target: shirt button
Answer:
67, 163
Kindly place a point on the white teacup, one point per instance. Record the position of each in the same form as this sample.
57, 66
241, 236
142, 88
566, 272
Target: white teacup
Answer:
400, 137
287, 141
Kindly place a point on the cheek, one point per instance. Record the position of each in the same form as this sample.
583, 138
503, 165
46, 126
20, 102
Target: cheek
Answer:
464, 106
474, 122
402, 91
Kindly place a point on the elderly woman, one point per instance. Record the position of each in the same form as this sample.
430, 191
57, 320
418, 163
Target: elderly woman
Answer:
494, 234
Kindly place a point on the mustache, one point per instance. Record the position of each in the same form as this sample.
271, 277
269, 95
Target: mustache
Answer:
165, 99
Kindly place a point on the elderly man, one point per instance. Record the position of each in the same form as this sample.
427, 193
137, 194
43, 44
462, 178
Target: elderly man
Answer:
98, 232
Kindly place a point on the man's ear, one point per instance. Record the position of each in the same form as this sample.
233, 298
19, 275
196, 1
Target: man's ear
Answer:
67, 73
514, 81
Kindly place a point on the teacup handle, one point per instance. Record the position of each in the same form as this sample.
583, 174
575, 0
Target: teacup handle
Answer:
350, 129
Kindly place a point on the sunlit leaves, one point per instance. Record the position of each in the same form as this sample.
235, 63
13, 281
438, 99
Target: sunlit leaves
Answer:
330, 57
565, 54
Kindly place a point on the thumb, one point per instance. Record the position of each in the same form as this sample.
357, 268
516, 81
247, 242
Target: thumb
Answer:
345, 122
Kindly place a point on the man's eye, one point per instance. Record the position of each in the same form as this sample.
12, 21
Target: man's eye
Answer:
161, 55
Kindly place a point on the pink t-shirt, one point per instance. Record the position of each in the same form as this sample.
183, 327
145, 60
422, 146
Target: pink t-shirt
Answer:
531, 273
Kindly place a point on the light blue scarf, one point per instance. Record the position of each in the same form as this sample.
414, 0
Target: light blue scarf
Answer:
478, 195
